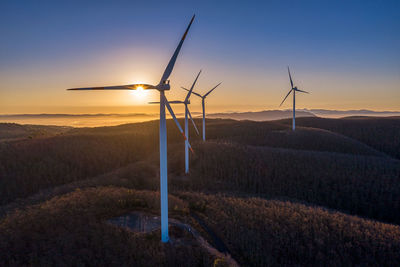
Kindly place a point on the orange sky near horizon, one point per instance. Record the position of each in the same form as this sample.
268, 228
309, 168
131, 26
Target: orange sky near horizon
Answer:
257, 90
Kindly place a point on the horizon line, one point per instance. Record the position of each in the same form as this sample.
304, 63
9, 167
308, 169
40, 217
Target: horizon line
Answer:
223, 112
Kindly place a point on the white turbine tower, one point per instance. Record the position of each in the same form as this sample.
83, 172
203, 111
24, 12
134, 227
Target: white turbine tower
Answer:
203, 98
294, 89
161, 87
186, 102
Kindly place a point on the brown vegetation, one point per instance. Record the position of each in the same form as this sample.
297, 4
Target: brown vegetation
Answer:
363, 185
274, 134
27, 166
70, 182
71, 230
275, 233
380, 133
13, 131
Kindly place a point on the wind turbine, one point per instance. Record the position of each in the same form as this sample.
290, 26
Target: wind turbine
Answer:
162, 86
186, 102
294, 89
203, 98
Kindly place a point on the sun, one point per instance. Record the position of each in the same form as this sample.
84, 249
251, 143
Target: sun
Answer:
139, 93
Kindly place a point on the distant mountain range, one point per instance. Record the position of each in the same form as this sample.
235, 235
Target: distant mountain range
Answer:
268, 115
346, 113
91, 120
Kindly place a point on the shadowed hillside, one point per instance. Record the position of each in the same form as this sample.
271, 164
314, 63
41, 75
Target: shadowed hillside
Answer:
30, 165
363, 185
273, 134
383, 134
266, 115
275, 233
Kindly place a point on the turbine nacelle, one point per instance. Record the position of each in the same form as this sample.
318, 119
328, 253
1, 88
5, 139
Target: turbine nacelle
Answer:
294, 88
163, 86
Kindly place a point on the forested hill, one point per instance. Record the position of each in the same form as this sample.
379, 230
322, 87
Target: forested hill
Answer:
322, 195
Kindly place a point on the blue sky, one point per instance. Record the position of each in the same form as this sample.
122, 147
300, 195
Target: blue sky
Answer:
345, 52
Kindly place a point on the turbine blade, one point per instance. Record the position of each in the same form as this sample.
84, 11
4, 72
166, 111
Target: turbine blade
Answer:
171, 63
286, 97
199, 95
190, 147
118, 87
171, 102
174, 117
290, 76
209, 92
194, 124
177, 122
191, 88
302, 91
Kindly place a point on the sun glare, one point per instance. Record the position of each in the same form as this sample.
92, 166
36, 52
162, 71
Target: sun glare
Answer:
139, 93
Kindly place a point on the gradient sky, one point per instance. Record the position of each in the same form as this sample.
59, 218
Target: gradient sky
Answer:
346, 53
